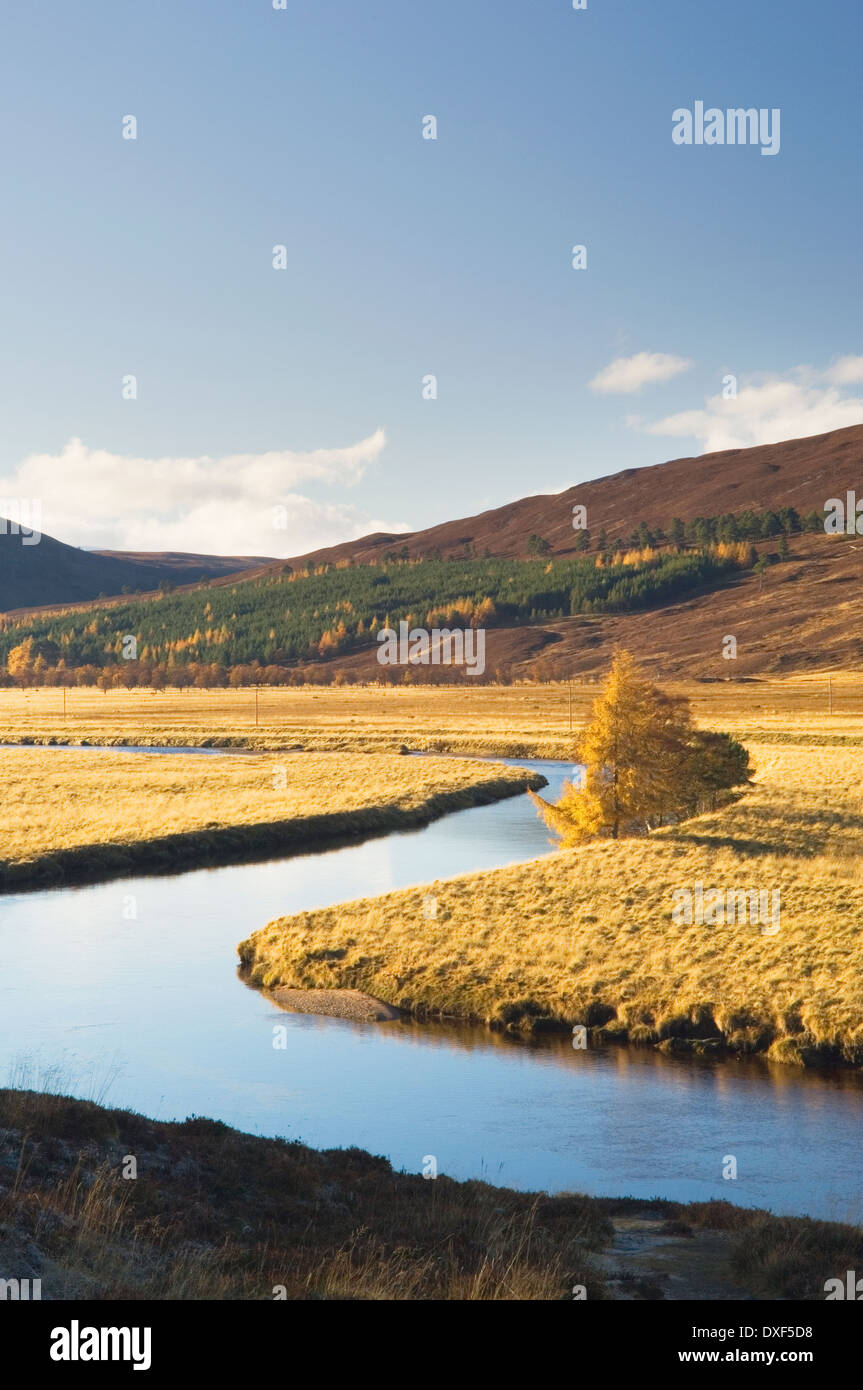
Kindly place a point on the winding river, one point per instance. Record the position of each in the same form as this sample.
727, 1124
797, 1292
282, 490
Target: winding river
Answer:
147, 1011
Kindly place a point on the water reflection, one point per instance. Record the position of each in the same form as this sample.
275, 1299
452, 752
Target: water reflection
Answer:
152, 1003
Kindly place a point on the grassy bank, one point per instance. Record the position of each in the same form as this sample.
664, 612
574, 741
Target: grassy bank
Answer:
587, 937
69, 816
514, 721
511, 723
215, 1214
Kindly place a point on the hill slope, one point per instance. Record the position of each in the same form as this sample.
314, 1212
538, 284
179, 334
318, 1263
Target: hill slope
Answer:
51, 572
554, 614
800, 473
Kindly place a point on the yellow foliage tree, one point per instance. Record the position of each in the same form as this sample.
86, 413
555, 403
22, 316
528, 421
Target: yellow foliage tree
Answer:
643, 763
20, 657
32, 654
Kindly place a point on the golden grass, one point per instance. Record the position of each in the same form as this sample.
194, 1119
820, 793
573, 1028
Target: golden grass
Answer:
520, 721
586, 936
72, 813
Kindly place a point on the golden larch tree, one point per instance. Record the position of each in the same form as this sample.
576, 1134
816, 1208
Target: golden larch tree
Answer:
643, 763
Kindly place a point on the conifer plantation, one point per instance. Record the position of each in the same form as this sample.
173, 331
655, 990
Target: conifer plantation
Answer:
255, 631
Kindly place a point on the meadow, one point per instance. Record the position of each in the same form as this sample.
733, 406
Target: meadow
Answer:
72, 814
588, 935
525, 720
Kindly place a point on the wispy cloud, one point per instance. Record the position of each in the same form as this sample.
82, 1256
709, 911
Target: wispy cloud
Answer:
94, 498
846, 371
770, 407
626, 375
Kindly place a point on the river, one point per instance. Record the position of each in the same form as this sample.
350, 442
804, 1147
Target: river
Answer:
147, 1011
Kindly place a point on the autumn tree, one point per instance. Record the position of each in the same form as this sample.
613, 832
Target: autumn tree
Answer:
32, 657
643, 764
20, 657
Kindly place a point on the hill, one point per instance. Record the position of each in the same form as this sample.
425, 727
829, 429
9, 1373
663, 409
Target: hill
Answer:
51, 572
201, 634
672, 563
799, 473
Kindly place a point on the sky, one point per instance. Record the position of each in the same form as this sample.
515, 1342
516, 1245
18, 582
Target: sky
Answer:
275, 410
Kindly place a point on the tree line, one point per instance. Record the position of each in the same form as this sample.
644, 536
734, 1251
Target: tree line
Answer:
289, 619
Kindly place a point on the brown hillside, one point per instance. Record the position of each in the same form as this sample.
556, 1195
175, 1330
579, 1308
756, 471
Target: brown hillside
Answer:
801, 473
806, 615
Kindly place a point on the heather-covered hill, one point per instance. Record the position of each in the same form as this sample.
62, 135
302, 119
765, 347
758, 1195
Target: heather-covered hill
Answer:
672, 562
799, 473
51, 572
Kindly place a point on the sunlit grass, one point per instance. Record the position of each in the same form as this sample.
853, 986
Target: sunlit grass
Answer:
69, 812
587, 936
522, 721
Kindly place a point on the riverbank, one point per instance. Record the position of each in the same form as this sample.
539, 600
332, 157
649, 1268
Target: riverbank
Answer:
524, 721
216, 1214
72, 816
587, 936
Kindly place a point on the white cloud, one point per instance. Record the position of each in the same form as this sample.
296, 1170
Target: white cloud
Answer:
846, 371
226, 505
626, 375
769, 408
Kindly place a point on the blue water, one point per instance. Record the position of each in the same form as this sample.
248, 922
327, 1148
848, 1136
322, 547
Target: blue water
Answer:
147, 1011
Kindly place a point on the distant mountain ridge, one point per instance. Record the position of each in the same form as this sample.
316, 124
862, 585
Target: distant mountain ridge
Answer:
802, 473
51, 572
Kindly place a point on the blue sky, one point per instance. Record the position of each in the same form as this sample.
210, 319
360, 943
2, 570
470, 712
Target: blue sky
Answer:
302, 388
